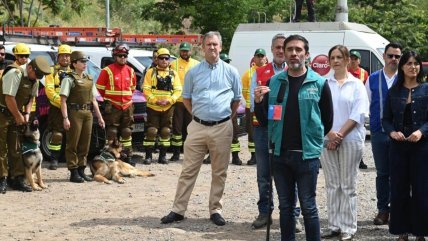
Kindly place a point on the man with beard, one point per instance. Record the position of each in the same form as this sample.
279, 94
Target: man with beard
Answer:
116, 84
181, 117
300, 115
3, 61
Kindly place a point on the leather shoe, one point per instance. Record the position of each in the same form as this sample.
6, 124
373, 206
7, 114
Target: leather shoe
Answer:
172, 217
381, 218
330, 234
217, 219
3, 185
19, 184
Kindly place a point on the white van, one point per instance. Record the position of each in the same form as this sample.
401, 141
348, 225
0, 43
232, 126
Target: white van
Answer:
321, 37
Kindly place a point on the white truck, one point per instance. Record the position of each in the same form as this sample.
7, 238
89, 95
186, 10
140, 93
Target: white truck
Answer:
321, 37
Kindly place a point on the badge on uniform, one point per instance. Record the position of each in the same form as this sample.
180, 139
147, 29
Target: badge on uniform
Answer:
275, 112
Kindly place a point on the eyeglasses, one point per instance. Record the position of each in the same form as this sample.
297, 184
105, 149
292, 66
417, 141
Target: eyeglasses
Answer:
163, 58
122, 55
397, 56
2, 54
23, 56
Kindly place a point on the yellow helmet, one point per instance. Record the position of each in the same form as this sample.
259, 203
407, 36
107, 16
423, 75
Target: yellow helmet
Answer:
21, 48
64, 49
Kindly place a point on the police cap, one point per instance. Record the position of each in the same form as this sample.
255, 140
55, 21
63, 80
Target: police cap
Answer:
78, 55
41, 66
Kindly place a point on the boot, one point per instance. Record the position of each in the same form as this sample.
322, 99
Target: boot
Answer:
207, 160
162, 156
252, 160
54, 160
126, 156
75, 177
19, 184
3, 185
176, 154
235, 159
81, 171
149, 158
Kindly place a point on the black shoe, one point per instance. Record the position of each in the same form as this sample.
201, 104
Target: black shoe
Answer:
3, 185
235, 159
172, 217
19, 184
162, 156
330, 234
261, 221
75, 177
176, 155
362, 165
81, 171
217, 219
252, 160
149, 158
207, 160
53, 165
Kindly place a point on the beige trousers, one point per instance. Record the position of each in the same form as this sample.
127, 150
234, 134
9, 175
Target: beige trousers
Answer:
215, 139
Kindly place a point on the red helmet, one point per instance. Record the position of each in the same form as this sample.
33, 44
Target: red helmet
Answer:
120, 49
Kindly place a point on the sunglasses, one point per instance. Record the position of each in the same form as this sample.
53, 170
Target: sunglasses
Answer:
393, 55
122, 55
163, 58
23, 56
2, 54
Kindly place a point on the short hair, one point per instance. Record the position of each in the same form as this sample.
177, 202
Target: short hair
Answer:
394, 45
297, 37
342, 49
210, 34
278, 36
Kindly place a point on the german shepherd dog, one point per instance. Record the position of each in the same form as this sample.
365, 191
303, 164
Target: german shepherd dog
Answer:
108, 165
32, 156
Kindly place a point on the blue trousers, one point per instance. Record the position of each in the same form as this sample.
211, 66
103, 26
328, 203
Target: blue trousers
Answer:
380, 148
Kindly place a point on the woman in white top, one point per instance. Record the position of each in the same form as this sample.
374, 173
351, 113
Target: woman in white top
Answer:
343, 146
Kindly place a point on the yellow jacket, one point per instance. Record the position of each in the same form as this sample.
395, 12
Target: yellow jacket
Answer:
153, 94
53, 85
246, 84
181, 66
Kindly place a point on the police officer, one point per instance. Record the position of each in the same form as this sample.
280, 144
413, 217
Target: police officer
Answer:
19, 85
53, 84
181, 117
77, 103
116, 84
162, 88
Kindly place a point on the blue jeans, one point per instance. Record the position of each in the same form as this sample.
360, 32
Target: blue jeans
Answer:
263, 172
290, 169
380, 148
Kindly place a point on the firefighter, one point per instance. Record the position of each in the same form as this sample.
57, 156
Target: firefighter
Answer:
19, 86
116, 84
52, 88
181, 117
77, 104
22, 53
162, 87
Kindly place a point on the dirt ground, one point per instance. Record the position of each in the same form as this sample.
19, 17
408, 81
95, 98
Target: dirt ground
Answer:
132, 211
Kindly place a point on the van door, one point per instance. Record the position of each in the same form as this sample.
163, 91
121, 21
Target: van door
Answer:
369, 61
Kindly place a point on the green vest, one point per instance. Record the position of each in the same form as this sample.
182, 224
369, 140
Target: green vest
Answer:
25, 89
81, 93
312, 129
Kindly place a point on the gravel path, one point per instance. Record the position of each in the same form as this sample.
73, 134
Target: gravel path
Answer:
132, 211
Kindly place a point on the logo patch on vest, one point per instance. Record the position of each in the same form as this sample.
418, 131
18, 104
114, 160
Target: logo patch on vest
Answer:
26, 86
312, 90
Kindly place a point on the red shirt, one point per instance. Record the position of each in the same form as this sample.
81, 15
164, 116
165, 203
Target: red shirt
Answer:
360, 74
116, 83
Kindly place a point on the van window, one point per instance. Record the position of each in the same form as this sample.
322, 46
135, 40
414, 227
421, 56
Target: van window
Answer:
93, 70
375, 64
144, 60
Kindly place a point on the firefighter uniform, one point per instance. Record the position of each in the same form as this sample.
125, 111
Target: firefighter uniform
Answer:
116, 84
181, 117
55, 123
16, 83
160, 85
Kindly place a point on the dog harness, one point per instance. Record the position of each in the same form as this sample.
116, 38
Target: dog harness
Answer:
29, 147
106, 157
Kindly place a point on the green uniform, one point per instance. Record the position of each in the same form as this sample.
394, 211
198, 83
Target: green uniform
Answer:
79, 92
14, 82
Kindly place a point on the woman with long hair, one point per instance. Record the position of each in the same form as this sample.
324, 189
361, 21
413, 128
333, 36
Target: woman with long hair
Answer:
405, 120
343, 147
